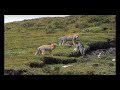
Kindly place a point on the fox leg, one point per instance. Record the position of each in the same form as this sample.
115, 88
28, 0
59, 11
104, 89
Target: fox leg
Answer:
43, 53
80, 50
51, 53
84, 51
73, 42
62, 42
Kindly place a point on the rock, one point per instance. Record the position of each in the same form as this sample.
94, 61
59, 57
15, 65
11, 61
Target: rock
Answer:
75, 49
113, 60
99, 56
67, 66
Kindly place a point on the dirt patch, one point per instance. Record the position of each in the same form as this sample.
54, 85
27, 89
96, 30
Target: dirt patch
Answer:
59, 54
14, 72
101, 45
96, 65
74, 54
36, 65
104, 52
52, 60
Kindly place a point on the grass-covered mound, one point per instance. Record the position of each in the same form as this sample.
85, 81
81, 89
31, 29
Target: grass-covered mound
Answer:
22, 38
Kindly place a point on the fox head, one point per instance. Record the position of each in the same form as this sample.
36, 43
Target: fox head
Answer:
76, 35
53, 45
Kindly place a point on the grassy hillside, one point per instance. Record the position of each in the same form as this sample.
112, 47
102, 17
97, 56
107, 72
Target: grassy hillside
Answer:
22, 39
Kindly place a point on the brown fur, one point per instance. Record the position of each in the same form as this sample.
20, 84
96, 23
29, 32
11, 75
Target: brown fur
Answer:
46, 48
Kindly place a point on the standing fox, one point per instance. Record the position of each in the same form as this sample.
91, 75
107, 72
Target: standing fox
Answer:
68, 38
44, 48
80, 48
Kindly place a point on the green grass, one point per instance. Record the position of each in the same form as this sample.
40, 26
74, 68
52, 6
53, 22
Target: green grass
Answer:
22, 42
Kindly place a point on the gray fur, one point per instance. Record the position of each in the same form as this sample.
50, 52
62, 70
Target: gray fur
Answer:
80, 48
65, 39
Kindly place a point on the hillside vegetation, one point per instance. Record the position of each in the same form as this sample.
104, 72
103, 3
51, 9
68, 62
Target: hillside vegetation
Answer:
22, 38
